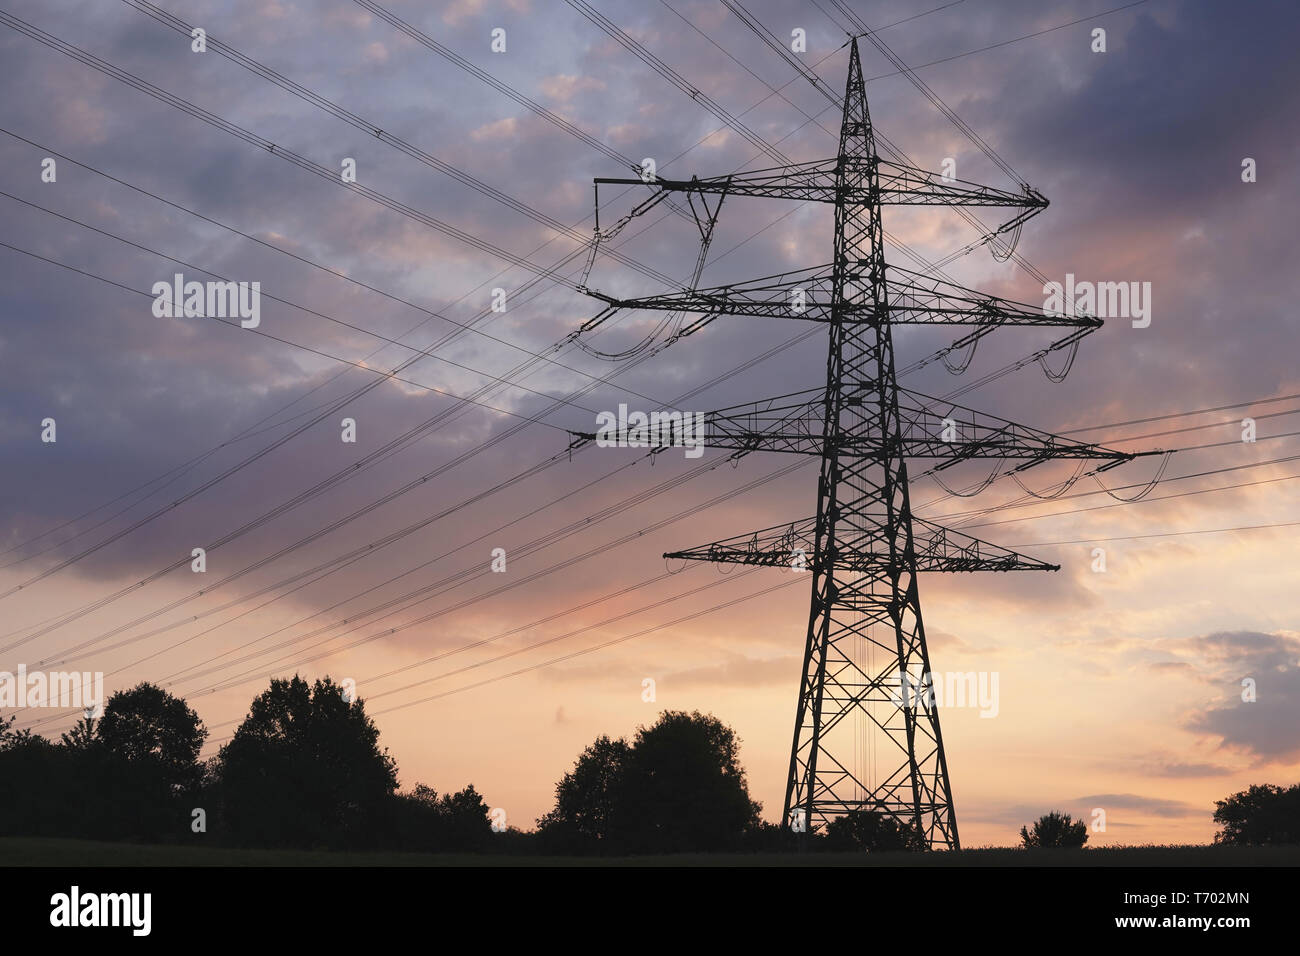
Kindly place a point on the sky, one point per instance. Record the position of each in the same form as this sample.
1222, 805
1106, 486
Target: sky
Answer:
1118, 689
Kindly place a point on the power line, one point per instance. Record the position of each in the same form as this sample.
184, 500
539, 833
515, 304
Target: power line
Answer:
971, 218
1024, 500
346, 473
463, 326
112, 71
359, 553
523, 290
313, 576
724, 376
450, 582
605, 644
274, 149
1119, 504
623, 505
92, 64
65, 620
384, 376
568, 562
1161, 534
601, 646
1199, 411
930, 95
425, 353
372, 129
1027, 36
529, 647
918, 14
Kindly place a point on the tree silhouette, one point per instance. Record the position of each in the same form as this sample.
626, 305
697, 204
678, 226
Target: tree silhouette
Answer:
42, 788
1055, 829
82, 736
465, 821
586, 797
686, 789
146, 726
678, 787
1262, 814
871, 831
126, 775
454, 822
305, 769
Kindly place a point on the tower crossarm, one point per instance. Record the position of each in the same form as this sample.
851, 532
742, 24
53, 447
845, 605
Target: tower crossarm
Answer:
792, 546
917, 299
913, 299
816, 182
902, 185
794, 424
934, 428
786, 423
798, 294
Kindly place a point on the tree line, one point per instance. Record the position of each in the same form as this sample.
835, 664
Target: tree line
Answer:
305, 770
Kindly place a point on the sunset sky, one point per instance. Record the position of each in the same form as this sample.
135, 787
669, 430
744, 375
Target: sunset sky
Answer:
1119, 690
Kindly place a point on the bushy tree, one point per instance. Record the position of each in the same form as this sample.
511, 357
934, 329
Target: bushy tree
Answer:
34, 783
454, 822
128, 775
872, 832
677, 787
138, 765
1260, 815
305, 769
686, 789
82, 736
586, 798
1055, 829
148, 726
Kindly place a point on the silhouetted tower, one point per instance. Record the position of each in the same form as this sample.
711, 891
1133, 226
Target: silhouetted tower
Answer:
866, 732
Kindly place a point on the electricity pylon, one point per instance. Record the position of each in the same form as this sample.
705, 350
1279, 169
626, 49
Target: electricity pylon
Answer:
864, 548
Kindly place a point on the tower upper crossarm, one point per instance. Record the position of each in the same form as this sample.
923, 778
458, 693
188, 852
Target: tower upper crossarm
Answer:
898, 185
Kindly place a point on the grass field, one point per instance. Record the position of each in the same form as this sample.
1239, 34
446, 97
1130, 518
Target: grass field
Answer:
17, 851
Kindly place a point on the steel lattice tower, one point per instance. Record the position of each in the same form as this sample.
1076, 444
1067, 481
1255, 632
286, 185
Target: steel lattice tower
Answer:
862, 505
865, 640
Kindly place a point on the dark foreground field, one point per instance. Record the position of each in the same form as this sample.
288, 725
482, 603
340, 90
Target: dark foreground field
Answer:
50, 852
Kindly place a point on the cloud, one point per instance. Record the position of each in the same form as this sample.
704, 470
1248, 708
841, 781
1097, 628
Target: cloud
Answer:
563, 87
1080, 808
1179, 769
1153, 806
498, 130
1265, 727
738, 671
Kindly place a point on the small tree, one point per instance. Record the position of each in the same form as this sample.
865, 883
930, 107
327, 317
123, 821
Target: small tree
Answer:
872, 832
82, 736
465, 818
1258, 816
1055, 829
586, 797
454, 822
677, 788
37, 786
